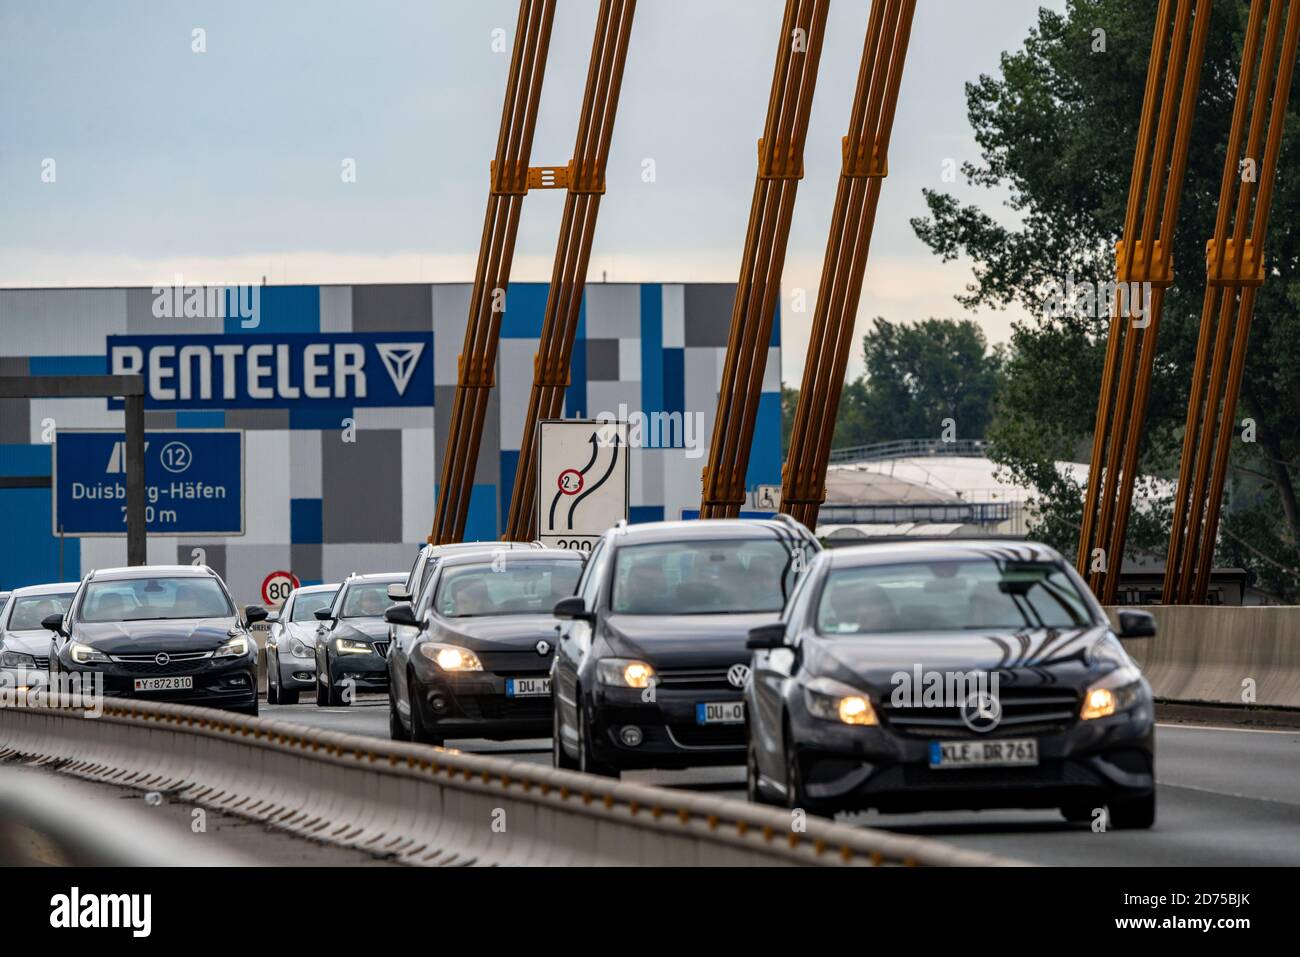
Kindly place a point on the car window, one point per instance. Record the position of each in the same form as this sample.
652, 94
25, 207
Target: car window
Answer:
514, 588
960, 595
593, 575
144, 599
27, 613
365, 600
729, 576
306, 605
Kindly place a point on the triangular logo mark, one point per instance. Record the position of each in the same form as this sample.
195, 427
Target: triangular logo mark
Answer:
400, 359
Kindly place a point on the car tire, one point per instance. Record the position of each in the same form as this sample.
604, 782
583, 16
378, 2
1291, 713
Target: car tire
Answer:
396, 730
287, 696
1137, 814
754, 792
322, 690
796, 797
559, 757
419, 733
250, 709
272, 685
588, 763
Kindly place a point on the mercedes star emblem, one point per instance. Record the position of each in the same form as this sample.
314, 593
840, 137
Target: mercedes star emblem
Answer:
981, 711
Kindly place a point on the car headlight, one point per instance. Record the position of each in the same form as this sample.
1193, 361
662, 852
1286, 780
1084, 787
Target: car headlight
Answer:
834, 701
625, 673
346, 646
234, 648
451, 657
84, 654
14, 659
1115, 692
299, 650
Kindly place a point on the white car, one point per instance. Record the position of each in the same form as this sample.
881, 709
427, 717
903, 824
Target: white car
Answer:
291, 643
24, 642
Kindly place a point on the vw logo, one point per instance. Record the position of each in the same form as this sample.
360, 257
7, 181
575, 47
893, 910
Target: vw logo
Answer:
543, 647
738, 675
162, 658
981, 711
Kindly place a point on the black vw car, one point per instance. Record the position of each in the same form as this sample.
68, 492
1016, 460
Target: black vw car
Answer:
950, 675
160, 632
352, 639
472, 659
652, 655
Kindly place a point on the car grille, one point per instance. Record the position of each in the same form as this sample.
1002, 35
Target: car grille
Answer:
695, 679
516, 664
381, 649
491, 708
42, 661
179, 661
1024, 711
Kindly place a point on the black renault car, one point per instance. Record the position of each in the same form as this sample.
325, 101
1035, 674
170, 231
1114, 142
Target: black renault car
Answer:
162, 633
352, 639
950, 674
652, 657
472, 659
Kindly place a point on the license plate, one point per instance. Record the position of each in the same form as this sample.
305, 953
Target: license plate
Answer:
527, 687
164, 684
720, 712
1000, 753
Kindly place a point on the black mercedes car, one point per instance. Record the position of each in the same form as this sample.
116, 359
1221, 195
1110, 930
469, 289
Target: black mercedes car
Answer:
951, 675
352, 639
652, 655
472, 659
162, 633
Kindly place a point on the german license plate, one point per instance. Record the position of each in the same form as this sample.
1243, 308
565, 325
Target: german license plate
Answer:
1000, 753
164, 684
527, 687
720, 712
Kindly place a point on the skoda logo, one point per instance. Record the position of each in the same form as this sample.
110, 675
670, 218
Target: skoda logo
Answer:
543, 647
981, 711
737, 675
162, 658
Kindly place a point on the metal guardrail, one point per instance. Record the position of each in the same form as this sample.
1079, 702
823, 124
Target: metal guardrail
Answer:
906, 448
428, 806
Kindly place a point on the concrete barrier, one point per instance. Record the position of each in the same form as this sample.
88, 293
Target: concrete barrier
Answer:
1223, 654
429, 806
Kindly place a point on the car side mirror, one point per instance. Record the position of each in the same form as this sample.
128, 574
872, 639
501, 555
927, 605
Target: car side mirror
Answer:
254, 614
397, 592
573, 608
323, 614
272, 617
1136, 624
766, 637
53, 623
401, 614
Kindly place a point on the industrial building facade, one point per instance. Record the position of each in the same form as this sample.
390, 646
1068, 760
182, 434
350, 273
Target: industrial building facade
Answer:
342, 395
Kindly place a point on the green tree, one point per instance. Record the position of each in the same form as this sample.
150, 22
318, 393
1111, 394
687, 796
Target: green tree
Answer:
1056, 131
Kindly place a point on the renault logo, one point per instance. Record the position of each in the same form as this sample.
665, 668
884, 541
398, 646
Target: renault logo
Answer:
162, 658
738, 675
543, 647
981, 711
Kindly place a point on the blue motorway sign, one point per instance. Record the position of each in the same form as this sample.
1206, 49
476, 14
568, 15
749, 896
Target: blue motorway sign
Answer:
194, 482
279, 370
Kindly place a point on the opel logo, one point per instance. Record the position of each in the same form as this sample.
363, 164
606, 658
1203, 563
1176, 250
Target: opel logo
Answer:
981, 711
738, 675
162, 658
543, 647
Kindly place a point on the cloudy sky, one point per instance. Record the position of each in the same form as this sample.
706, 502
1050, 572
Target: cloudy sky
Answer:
225, 166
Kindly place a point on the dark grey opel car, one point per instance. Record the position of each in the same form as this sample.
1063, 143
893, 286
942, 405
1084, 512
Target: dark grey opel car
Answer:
950, 675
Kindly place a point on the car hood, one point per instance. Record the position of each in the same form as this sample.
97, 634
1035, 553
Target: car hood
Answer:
25, 642
142, 637
304, 631
1054, 654
361, 629
497, 632
684, 641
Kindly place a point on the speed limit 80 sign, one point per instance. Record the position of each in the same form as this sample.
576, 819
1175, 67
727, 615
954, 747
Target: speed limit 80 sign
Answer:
278, 586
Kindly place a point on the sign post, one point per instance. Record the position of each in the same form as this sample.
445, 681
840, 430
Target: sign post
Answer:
582, 480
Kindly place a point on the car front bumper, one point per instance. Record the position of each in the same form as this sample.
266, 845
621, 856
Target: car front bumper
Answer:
221, 683
671, 733
366, 672
296, 674
474, 704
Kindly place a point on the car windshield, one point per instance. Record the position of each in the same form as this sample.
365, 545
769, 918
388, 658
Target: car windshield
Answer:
366, 600
29, 612
144, 599
305, 606
518, 587
970, 594
728, 577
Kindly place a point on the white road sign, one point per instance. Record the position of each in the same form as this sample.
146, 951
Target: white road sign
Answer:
582, 480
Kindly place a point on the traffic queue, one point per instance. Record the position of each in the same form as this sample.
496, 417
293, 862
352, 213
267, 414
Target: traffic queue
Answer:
899, 676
